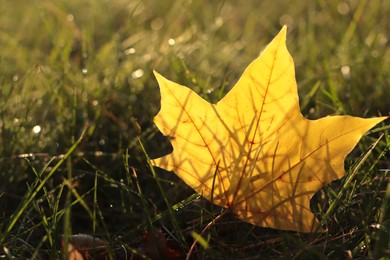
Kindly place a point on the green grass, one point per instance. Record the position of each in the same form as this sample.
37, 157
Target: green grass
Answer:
82, 72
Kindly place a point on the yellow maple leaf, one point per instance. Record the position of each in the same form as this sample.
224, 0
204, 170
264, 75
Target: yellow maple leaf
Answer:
267, 159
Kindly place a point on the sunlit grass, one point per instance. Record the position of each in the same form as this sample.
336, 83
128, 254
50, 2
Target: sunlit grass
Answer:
72, 66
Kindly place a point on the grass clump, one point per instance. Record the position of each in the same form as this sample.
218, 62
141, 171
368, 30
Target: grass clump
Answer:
77, 93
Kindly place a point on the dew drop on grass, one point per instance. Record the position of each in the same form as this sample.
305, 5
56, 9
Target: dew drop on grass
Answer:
98, 153
37, 129
137, 74
376, 225
346, 71
129, 51
147, 57
171, 42
157, 24
343, 8
70, 17
218, 22
210, 90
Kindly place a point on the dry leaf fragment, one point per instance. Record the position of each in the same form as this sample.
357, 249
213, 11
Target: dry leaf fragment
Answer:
155, 245
268, 159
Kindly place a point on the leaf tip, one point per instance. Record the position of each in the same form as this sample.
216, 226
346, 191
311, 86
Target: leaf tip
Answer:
156, 74
283, 32
160, 79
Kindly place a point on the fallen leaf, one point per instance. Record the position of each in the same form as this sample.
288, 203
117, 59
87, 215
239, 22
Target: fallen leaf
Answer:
73, 253
267, 159
84, 247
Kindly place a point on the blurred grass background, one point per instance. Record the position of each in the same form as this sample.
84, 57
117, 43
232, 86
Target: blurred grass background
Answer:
70, 65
